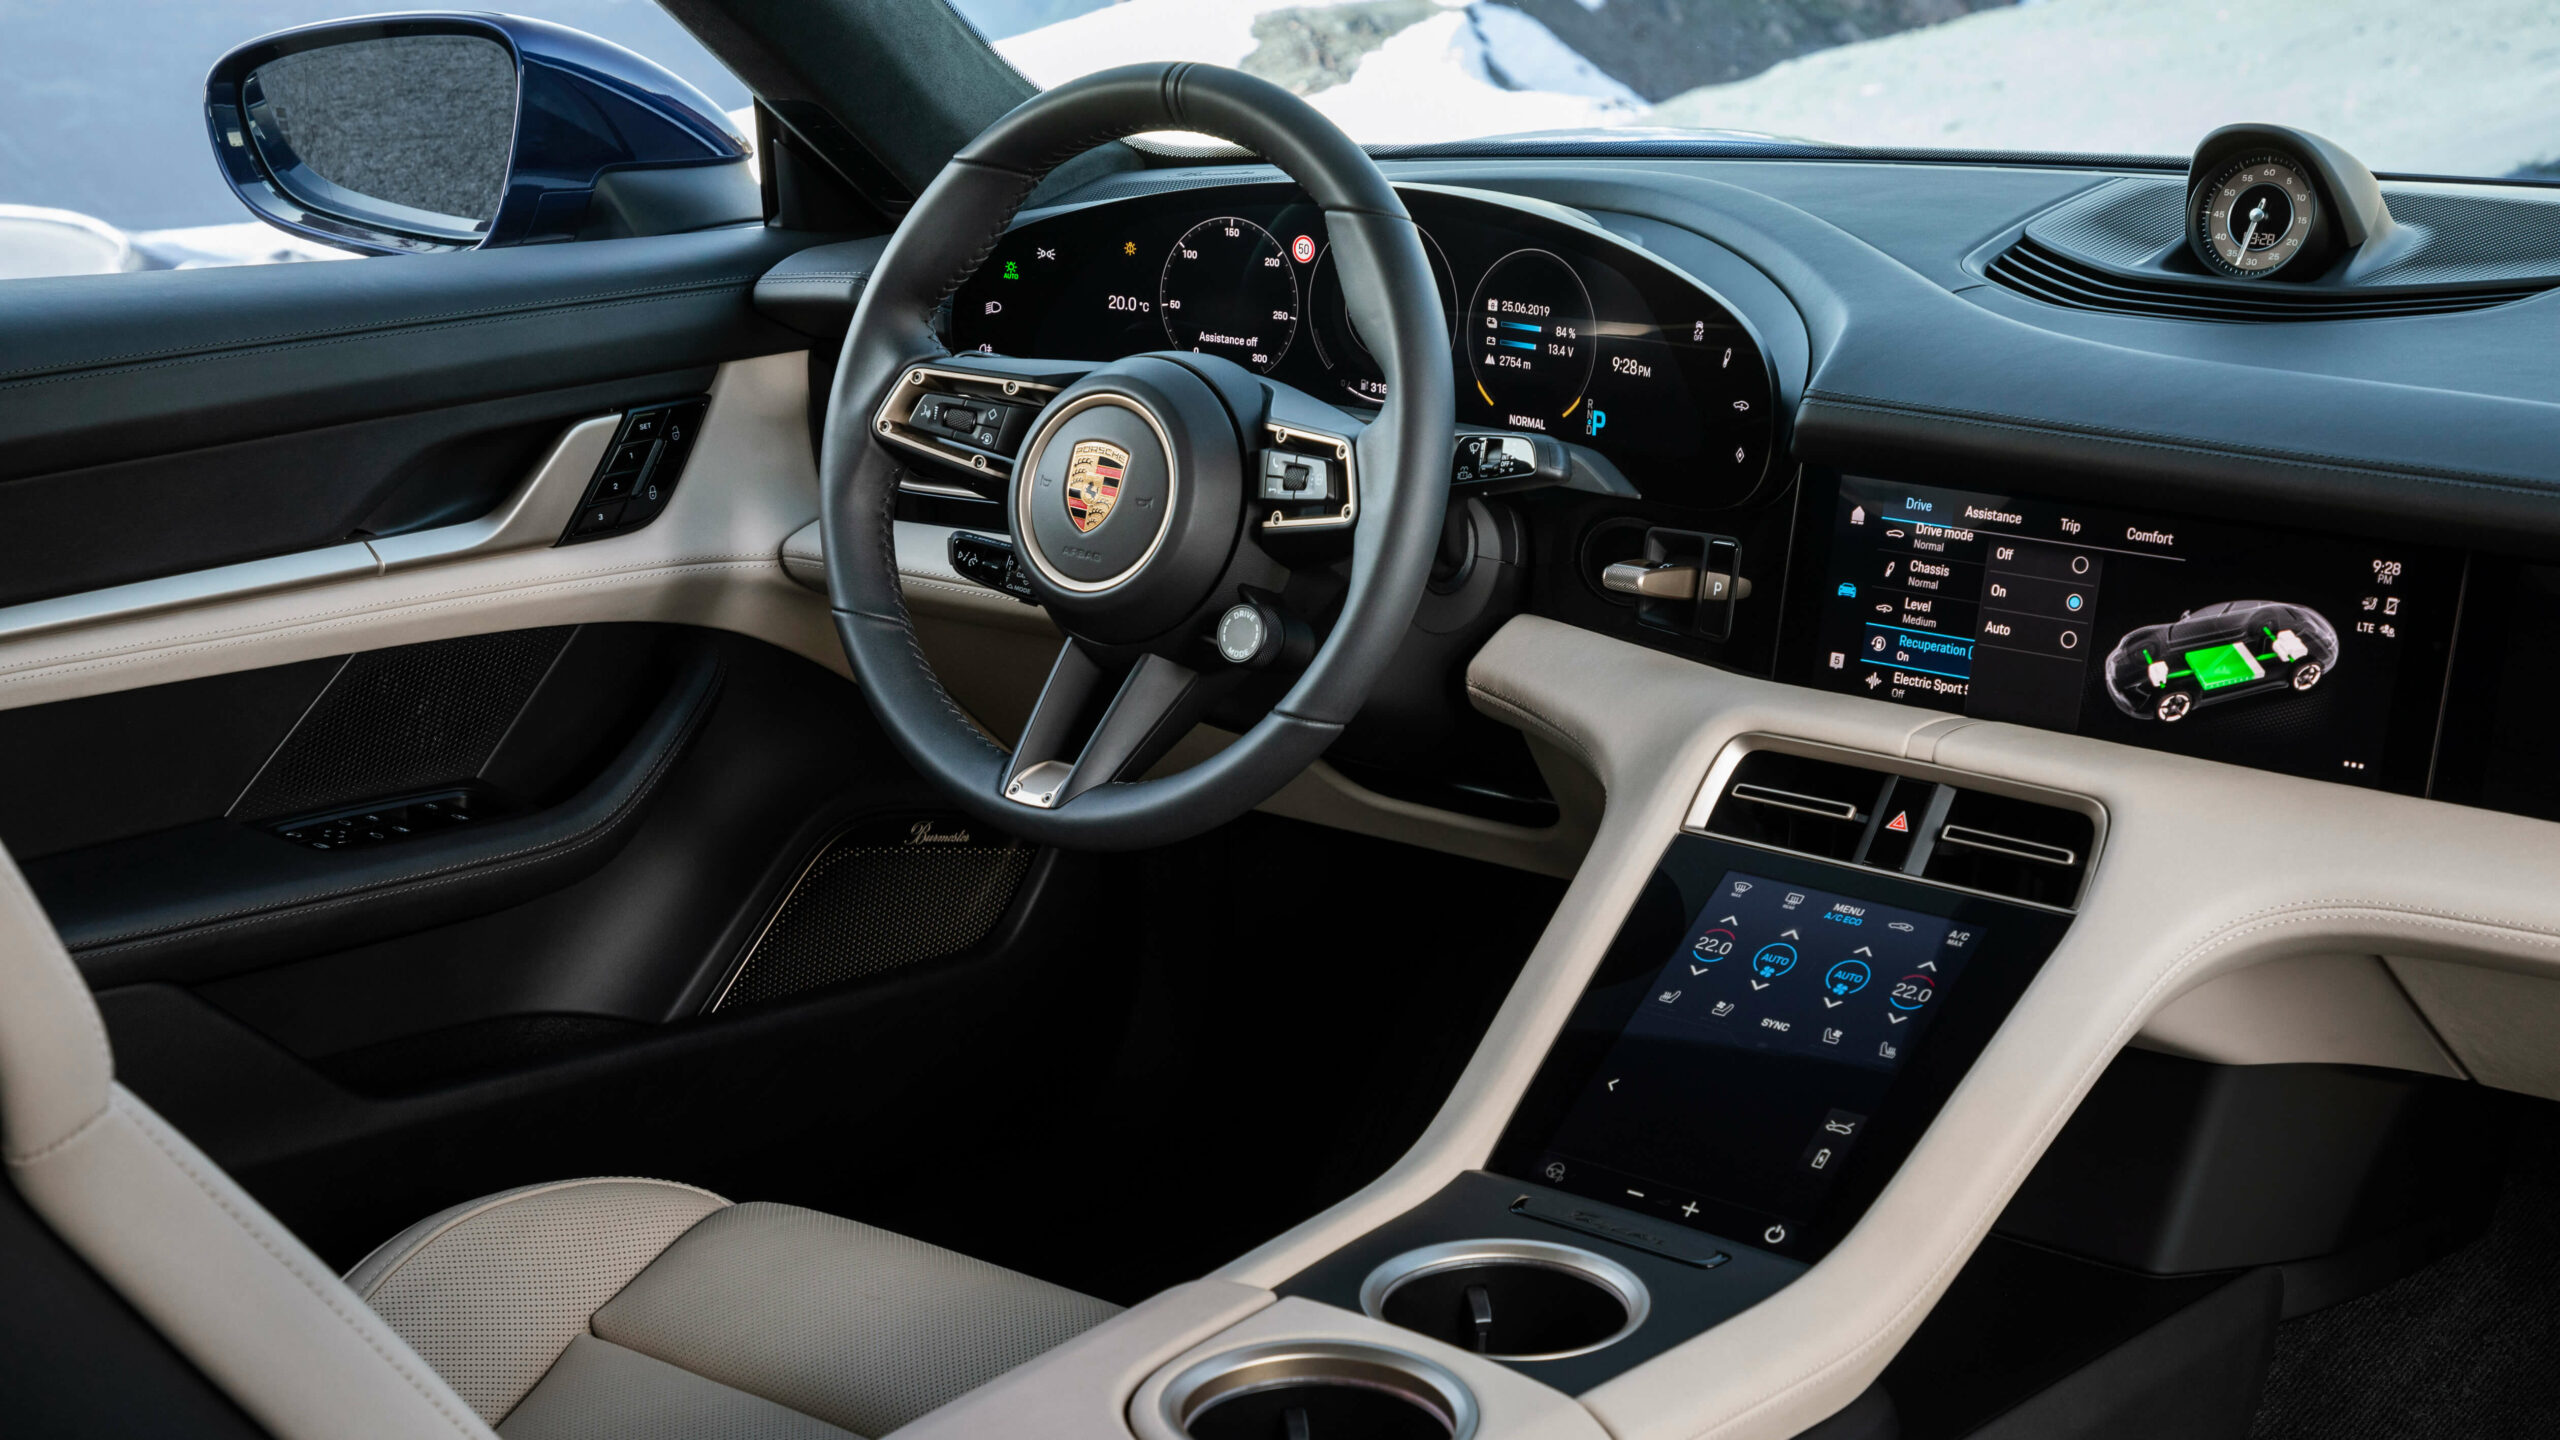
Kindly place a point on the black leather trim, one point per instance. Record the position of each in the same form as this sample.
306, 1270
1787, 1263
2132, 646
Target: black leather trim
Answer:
815, 291
217, 897
96, 370
2428, 429
101, 525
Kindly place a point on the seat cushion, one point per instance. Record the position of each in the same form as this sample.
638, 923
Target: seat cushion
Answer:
491, 1292
600, 1391
857, 1326
645, 1310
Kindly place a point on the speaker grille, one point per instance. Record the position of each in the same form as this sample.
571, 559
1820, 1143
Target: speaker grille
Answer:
413, 717
879, 897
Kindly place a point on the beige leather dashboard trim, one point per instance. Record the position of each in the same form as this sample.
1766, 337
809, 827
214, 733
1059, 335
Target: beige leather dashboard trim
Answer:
2286, 868
2303, 1010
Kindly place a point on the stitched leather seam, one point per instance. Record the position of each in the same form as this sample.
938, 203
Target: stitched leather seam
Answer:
1554, 730
480, 593
2309, 459
496, 1202
2297, 913
319, 1291
558, 848
30, 1157
285, 340
813, 277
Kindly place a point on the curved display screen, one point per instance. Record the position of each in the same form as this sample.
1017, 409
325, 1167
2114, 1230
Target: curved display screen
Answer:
2308, 654
1554, 329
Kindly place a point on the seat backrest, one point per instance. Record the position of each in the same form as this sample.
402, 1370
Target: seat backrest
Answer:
206, 1265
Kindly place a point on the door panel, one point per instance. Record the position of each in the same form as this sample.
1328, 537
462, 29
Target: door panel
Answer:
423, 784
105, 368
90, 527
560, 1018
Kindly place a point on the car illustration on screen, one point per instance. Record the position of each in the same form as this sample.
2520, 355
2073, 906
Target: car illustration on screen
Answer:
2220, 652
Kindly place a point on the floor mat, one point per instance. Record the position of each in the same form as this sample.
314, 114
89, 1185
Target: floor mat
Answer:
2464, 1348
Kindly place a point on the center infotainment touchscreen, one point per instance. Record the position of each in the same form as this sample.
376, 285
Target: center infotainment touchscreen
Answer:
1761, 1046
2309, 654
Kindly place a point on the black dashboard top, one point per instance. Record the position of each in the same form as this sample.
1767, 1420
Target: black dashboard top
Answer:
2442, 422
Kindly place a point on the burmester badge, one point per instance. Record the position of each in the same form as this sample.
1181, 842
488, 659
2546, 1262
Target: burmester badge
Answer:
1094, 469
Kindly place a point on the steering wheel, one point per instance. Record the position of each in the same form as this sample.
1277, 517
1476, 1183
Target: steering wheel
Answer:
1135, 493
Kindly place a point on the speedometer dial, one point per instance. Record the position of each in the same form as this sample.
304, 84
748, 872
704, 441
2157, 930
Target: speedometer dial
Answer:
1228, 290
2254, 216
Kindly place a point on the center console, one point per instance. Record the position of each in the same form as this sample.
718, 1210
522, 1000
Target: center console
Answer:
1813, 966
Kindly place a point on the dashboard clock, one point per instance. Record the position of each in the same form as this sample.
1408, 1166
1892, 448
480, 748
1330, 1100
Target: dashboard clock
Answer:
2254, 215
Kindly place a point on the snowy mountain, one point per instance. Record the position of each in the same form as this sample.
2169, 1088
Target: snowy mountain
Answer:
1389, 71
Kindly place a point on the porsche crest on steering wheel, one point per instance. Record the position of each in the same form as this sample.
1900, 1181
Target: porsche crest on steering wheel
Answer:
1094, 469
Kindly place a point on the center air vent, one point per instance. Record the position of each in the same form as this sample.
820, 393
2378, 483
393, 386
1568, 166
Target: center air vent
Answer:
1912, 825
2047, 274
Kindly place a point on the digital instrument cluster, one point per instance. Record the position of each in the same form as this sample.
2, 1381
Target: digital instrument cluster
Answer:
2300, 653
1555, 328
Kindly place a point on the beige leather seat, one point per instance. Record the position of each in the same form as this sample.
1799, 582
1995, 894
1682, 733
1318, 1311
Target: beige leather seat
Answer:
617, 1309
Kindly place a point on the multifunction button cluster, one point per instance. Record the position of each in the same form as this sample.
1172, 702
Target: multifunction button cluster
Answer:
984, 424
640, 470
384, 823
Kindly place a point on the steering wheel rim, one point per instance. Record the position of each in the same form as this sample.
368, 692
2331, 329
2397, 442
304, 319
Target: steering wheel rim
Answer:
1401, 456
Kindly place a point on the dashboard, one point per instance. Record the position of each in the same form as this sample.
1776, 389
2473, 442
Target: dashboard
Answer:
2313, 546
1557, 327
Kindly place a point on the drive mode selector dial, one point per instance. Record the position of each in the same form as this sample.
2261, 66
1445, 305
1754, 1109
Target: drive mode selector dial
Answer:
2254, 215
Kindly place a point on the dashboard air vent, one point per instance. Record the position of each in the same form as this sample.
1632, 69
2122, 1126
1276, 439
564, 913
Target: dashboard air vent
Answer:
1975, 839
2046, 274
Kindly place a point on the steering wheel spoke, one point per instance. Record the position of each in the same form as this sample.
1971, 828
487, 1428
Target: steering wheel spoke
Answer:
1156, 704
972, 412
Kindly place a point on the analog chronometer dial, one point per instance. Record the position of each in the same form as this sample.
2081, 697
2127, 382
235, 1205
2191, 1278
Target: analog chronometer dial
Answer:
2255, 215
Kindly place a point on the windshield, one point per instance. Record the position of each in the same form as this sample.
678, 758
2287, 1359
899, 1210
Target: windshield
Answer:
2446, 87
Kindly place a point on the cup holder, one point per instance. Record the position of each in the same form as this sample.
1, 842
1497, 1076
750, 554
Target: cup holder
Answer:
1317, 1390
1509, 1299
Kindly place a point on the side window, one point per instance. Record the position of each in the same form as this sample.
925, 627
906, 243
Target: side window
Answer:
106, 165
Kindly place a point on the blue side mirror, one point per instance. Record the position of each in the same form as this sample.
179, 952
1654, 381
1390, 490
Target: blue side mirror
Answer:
420, 133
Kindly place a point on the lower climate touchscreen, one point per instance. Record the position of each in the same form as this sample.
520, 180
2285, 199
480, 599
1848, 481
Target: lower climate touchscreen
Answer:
2309, 654
1763, 1078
